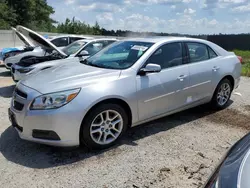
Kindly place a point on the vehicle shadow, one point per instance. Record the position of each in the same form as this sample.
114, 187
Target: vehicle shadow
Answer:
7, 91
38, 156
5, 74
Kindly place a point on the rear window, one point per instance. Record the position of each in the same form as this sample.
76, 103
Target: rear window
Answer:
212, 54
60, 42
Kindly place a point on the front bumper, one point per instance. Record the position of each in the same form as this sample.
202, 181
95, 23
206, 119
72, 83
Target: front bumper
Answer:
16, 75
64, 121
7, 63
237, 83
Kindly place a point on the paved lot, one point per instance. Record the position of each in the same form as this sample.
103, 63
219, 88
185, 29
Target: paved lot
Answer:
176, 151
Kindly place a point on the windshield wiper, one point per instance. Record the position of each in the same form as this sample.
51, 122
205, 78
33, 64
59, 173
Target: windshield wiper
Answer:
95, 65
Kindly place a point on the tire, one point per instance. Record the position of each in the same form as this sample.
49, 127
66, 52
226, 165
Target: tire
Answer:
222, 101
102, 127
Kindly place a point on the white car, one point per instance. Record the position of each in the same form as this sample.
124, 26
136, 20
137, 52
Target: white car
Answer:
80, 49
37, 50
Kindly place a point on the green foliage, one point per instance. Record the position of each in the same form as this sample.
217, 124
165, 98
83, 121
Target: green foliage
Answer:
244, 54
34, 14
77, 27
246, 69
246, 61
7, 15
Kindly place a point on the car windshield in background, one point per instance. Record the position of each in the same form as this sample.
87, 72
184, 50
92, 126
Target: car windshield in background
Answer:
120, 55
74, 47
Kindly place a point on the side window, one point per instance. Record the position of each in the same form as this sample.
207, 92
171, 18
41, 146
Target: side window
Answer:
73, 39
60, 42
94, 47
107, 42
168, 55
212, 54
197, 52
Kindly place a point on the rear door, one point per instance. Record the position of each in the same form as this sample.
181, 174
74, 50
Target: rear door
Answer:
202, 68
162, 92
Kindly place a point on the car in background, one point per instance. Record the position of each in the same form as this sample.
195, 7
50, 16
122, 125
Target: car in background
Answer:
81, 48
93, 101
234, 169
62, 41
33, 49
12, 51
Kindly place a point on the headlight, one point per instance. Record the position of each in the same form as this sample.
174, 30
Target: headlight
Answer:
53, 100
25, 70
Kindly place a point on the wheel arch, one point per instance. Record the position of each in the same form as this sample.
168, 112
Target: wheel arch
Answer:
230, 78
114, 100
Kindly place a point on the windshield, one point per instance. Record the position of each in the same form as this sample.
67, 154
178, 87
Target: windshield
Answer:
120, 55
74, 47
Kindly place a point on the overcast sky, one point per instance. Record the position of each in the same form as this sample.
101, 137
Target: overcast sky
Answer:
170, 16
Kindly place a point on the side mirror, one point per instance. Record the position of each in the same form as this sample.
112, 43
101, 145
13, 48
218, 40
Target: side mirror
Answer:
83, 53
150, 68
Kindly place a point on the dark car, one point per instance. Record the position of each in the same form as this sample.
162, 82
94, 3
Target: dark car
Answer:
234, 170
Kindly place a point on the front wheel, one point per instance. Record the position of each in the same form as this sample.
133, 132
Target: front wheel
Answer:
222, 94
103, 126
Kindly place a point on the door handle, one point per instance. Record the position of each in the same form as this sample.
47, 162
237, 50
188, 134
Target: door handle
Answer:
215, 68
182, 77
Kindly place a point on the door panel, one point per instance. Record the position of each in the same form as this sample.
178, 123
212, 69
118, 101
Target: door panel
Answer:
201, 68
161, 92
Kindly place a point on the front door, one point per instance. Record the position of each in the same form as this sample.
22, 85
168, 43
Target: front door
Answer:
161, 92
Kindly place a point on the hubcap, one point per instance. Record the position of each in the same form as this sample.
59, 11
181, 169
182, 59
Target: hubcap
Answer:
223, 94
106, 127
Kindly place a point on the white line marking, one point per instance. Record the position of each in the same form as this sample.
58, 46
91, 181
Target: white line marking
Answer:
237, 93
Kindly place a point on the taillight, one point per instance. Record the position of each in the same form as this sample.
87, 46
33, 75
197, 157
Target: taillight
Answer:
240, 58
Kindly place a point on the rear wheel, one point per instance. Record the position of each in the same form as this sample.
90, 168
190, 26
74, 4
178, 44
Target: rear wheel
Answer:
222, 94
103, 126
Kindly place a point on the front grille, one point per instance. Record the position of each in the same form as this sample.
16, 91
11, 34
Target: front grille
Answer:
18, 106
20, 93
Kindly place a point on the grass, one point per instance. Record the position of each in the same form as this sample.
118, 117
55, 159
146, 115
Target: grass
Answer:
246, 61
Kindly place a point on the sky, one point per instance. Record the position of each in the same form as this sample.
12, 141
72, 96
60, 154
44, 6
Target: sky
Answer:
168, 16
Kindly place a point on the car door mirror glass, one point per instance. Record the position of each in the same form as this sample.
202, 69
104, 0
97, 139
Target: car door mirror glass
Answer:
150, 68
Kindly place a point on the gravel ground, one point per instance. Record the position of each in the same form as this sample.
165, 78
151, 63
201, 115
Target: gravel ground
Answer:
176, 151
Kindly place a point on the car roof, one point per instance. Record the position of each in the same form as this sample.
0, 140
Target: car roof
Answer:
157, 39
161, 40
99, 39
60, 36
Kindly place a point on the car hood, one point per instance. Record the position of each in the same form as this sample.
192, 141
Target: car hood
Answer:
38, 39
234, 170
23, 38
68, 76
55, 62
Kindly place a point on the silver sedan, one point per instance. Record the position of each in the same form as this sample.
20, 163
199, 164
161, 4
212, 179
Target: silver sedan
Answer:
124, 85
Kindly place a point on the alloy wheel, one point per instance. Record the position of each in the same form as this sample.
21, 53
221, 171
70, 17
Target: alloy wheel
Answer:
223, 94
106, 127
